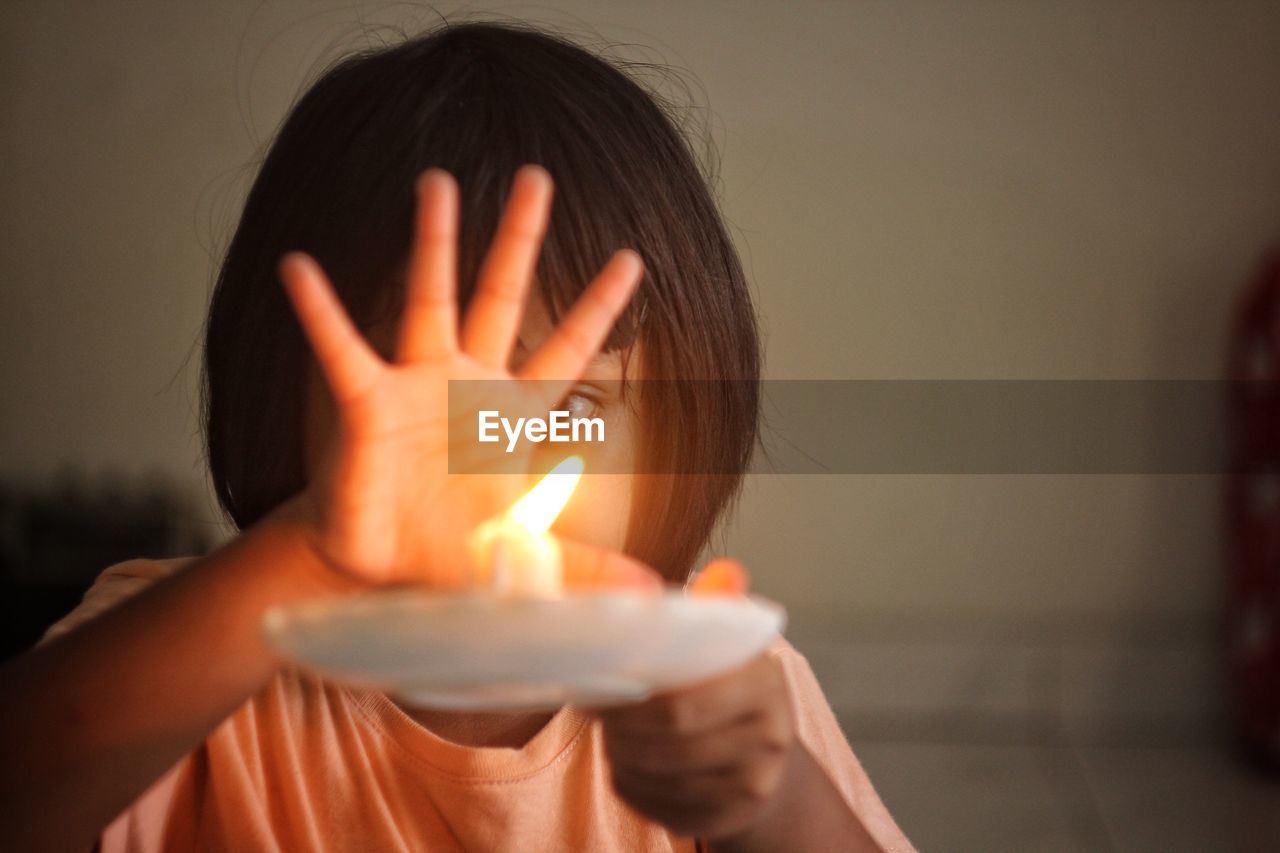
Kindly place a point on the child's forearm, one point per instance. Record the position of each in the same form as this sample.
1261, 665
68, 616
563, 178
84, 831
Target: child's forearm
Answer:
90, 719
808, 814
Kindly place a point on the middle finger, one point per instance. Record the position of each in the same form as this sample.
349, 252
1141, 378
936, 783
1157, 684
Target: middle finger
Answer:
493, 320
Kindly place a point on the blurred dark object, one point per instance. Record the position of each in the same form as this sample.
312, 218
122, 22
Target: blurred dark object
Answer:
1253, 519
55, 541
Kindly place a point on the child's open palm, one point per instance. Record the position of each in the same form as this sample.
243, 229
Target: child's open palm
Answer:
384, 504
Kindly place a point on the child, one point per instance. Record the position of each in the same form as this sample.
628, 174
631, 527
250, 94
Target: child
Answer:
154, 718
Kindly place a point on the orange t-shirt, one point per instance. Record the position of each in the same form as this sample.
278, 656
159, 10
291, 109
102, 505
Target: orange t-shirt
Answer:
307, 764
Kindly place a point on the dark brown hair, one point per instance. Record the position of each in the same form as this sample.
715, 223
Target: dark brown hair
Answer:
480, 99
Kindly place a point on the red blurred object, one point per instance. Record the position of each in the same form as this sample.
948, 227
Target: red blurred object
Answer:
1253, 516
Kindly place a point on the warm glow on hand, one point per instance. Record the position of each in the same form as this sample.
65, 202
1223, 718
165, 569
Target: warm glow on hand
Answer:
513, 553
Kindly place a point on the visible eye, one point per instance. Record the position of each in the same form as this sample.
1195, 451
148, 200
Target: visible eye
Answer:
579, 405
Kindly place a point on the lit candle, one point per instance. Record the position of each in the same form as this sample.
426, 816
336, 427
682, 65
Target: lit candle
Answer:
513, 554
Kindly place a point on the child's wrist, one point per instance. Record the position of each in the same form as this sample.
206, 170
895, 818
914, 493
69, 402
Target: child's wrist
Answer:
295, 521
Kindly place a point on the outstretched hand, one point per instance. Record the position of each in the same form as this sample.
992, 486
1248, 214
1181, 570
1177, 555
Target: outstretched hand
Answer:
383, 507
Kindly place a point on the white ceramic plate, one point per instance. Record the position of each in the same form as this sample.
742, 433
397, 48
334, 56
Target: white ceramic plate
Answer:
477, 651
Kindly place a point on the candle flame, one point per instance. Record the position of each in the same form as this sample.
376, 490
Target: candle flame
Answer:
539, 508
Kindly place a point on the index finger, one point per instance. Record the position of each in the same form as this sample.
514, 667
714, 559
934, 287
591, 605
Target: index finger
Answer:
704, 706
428, 329
722, 576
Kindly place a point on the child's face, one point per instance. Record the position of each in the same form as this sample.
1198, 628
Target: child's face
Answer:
601, 505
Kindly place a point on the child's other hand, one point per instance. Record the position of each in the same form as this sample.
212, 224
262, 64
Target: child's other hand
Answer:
705, 760
383, 506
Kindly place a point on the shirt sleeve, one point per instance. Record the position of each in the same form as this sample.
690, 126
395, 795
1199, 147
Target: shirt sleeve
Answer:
818, 730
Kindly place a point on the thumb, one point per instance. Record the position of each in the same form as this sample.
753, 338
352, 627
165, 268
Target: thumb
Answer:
722, 576
591, 567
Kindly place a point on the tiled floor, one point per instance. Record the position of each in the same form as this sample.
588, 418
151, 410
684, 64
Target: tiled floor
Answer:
1182, 798
989, 797
1016, 796
1076, 737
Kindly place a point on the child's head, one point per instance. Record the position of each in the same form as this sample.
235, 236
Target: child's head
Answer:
480, 100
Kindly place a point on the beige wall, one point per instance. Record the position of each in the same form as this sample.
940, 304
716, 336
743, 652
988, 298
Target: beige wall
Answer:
919, 190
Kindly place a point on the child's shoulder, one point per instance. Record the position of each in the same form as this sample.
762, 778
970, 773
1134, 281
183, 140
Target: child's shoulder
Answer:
802, 682
780, 645
140, 568
788, 655
119, 580
114, 584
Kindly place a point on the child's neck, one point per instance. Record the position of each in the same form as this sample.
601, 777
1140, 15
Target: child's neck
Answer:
512, 730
